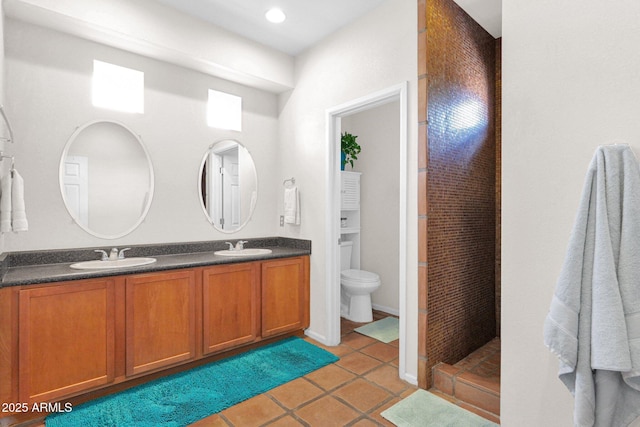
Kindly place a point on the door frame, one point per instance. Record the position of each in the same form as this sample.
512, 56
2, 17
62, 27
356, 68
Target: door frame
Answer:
334, 116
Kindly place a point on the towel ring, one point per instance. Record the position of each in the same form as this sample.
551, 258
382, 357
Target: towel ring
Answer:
291, 180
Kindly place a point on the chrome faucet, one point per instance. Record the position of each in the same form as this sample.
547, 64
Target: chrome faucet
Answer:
113, 255
121, 253
239, 245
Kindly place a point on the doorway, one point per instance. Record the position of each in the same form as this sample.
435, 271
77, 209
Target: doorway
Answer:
221, 186
397, 93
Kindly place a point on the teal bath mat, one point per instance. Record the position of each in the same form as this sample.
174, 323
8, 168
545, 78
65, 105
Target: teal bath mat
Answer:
423, 409
385, 330
189, 396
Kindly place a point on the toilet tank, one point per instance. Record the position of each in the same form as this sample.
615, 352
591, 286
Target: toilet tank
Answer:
345, 255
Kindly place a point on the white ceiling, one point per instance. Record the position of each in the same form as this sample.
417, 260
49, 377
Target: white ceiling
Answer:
487, 13
308, 21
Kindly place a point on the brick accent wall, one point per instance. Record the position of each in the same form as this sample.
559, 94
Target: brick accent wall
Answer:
498, 180
457, 184
424, 372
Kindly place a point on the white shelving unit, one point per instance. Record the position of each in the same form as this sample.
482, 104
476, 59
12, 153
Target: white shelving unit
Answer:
350, 209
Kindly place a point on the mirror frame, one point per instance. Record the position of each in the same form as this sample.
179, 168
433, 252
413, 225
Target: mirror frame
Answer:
65, 152
204, 209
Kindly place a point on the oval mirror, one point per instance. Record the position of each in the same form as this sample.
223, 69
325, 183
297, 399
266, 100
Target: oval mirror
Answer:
228, 185
106, 179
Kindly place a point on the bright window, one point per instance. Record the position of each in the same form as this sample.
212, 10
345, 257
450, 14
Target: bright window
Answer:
118, 88
224, 111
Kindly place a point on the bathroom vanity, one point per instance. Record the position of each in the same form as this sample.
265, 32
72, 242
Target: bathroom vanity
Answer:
65, 332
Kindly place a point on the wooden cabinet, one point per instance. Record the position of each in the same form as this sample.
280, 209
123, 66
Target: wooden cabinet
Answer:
66, 339
160, 320
285, 295
230, 306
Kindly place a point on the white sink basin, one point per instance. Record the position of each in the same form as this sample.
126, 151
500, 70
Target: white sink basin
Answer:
119, 263
244, 252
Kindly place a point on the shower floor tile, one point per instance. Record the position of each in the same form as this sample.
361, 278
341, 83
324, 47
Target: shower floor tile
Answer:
474, 382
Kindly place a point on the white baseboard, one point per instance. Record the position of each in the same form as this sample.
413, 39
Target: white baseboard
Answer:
388, 310
411, 379
318, 337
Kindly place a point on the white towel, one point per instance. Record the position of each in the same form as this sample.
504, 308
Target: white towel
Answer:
18, 213
13, 216
5, 203
291, 206
593, 325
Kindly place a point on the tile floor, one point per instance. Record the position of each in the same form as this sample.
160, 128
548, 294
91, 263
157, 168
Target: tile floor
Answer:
351, 392
474, 382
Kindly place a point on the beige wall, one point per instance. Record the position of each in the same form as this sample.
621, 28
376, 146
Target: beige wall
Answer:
378, 131
49, 94
149, 28
2, 99
374, 53
570, 83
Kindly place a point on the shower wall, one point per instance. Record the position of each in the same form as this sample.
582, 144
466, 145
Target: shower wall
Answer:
457, 90
498, 122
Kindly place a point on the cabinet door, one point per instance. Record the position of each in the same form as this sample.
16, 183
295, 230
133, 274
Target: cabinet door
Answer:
349, 191
160, 320
285, 295
66, 340
230, 306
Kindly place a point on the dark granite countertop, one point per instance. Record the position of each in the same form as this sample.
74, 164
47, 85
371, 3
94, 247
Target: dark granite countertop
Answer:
25, 268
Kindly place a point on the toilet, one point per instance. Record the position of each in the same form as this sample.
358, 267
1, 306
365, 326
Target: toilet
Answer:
356, 287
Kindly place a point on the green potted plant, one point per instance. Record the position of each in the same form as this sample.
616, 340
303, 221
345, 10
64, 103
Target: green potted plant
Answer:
349, 149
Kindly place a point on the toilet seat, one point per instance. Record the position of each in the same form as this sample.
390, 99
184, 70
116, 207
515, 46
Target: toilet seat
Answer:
359, 277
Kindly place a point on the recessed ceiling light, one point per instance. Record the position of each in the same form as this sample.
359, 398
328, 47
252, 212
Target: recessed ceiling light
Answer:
275, 15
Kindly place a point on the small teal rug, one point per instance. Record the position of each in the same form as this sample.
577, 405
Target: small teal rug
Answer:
385, 330
424, 409
189, 396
